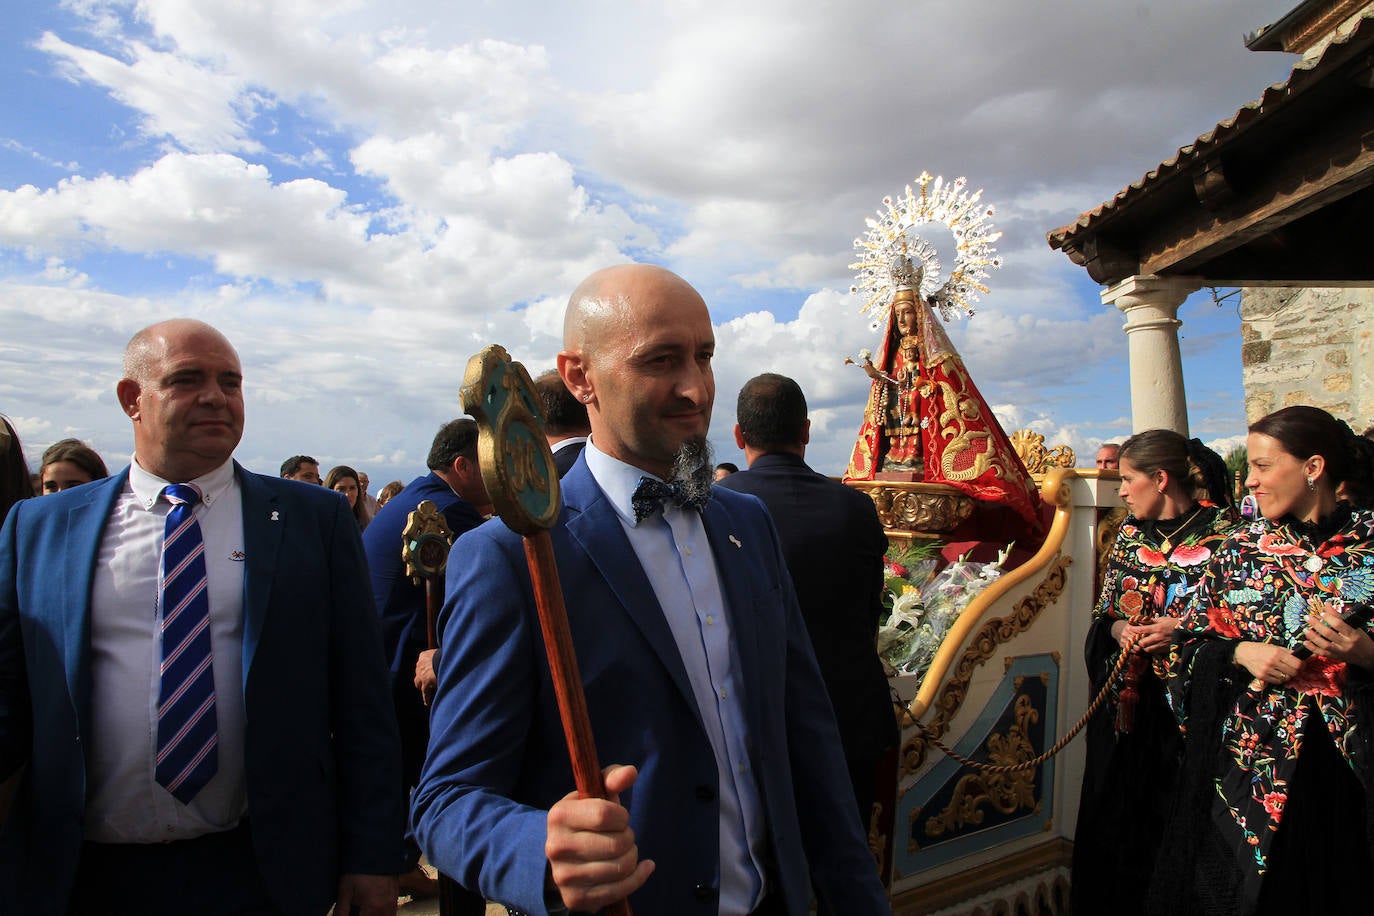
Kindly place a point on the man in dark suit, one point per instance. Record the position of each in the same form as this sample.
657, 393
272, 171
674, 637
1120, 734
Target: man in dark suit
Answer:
189, 600
454, 485
698, 673
565, 420
834, 545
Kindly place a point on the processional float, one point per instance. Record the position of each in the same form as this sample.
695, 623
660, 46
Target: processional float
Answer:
985, 826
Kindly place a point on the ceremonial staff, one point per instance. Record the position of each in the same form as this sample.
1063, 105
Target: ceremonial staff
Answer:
424, 547
425, 542
520, 476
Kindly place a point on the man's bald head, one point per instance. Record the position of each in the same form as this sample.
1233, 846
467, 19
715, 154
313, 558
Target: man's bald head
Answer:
606, 297
147, 346
183, 390
637, 349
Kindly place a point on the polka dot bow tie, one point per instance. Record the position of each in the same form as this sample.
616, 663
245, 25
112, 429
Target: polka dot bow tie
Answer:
651, 494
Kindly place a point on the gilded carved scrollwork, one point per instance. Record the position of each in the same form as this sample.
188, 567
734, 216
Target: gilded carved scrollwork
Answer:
923, 507
1038, 459
1008, 792
984, 644
1107, 530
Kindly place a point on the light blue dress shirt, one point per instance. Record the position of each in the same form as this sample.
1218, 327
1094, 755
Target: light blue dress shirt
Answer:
676, 557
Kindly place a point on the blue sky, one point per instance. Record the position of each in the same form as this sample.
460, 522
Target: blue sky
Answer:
363, 194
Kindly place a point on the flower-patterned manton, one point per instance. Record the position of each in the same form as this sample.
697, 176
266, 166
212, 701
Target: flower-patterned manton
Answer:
1269, 582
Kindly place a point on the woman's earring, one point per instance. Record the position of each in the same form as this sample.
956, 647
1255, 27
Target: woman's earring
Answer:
1312, 483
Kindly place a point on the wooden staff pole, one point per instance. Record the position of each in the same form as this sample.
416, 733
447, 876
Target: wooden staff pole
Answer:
522, 481
567, 681
424, 548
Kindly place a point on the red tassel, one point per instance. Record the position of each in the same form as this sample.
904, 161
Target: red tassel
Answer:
1130, 694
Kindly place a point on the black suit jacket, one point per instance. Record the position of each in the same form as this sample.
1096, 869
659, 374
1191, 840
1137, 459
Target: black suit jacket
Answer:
834, 546
565, 457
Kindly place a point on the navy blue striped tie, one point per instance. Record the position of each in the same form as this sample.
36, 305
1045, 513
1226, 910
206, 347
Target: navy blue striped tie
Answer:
186, 727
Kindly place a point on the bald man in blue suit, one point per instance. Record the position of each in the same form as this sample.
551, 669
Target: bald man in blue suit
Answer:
303, 805
729, 788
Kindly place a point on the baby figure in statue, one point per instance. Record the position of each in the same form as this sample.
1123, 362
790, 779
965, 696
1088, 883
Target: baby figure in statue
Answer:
894, 403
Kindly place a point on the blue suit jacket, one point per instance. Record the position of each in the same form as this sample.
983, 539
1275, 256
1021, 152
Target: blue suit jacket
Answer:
400, 602
322, 760
497, 758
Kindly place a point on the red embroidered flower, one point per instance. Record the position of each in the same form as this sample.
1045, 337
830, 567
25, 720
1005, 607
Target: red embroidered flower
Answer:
1273, 805
1333, 548
1276, 546
1129, 583
1221, 620
1323, 677
1192, 555
1130, 604
1150, 557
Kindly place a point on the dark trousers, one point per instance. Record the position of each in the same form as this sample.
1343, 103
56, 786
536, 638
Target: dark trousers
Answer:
212, 875
413, 718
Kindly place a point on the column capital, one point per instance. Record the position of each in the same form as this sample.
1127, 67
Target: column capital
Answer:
1149, 289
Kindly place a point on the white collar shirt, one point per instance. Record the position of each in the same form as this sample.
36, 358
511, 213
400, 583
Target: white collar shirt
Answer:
124, 802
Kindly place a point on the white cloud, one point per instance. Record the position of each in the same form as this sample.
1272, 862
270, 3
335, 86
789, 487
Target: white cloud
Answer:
178, 98
362, 194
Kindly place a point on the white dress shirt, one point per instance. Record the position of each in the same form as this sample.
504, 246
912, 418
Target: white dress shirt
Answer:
676, 556
124, 802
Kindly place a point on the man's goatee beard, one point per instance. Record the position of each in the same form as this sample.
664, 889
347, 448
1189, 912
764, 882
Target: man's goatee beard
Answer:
693, 468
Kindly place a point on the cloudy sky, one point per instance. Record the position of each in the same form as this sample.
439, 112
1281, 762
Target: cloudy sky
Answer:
363, 194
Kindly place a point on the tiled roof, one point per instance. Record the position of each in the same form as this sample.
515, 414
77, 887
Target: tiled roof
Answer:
1304, 73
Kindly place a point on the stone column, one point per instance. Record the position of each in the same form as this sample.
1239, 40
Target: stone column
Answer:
1151, 304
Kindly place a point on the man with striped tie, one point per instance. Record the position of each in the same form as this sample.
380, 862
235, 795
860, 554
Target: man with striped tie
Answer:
193, 698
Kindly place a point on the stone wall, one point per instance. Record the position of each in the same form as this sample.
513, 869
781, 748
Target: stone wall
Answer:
1309, 346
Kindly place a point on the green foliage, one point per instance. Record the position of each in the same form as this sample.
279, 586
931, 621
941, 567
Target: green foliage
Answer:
1237, 462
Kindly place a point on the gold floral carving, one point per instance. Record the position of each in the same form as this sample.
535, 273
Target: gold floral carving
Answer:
1030, 447
924, 507
1107, 530
1005, 793
877, 840
985, 642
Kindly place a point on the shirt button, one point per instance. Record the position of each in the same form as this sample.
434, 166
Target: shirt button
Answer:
687, 550
710, 620
724, 694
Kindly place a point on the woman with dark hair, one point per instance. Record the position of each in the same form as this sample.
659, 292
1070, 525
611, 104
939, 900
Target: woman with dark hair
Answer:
15, 482
69, 463
1276, 691
344, 479
1133, 743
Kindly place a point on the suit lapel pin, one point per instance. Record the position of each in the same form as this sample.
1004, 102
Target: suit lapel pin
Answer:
238, 556
276, 516
734, 540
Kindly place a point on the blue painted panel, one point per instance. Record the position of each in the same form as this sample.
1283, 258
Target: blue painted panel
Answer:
933, 792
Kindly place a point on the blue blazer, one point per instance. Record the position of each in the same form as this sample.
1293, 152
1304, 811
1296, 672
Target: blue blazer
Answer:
400, 602
497, 758
322, 756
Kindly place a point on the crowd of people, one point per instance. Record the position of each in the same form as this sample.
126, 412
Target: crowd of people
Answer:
220, 691
226, 692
